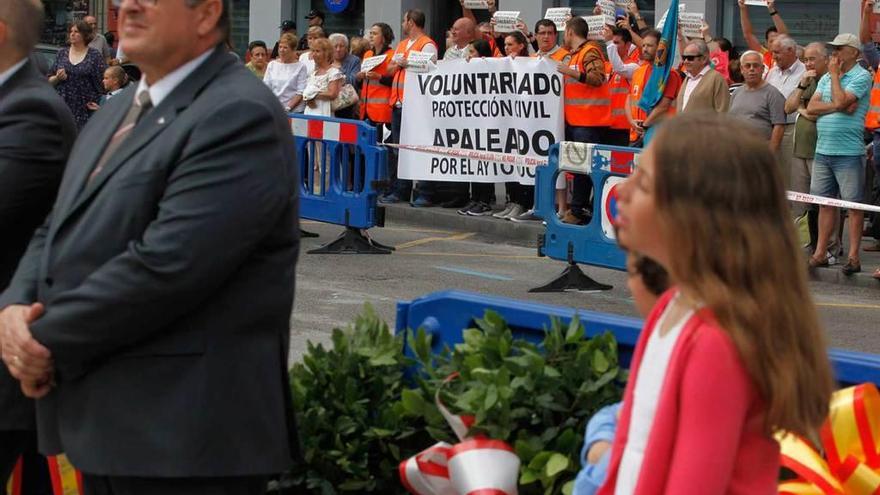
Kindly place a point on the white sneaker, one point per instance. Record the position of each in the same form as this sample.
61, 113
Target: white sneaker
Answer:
832, 260
516, 211
503, 213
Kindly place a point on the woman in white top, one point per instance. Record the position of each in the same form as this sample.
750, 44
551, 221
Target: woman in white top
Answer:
286, 77
324, 83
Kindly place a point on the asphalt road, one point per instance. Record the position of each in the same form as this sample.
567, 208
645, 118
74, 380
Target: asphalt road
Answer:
332, 289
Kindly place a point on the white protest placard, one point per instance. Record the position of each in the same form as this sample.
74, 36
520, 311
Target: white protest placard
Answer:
476, 4
509, 109
419, 62
662, 21
623, 4
505, 21
371, 63
760, 3
558, 15
608, 11
877, 6
596, 23
690, 24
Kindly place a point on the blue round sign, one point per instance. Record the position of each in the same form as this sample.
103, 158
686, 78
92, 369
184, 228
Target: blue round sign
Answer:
336, 6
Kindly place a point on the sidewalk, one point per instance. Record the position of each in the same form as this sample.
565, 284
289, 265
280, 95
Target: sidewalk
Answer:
526, 234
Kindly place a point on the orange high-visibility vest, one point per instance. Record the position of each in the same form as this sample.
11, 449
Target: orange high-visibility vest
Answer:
374, 96
639, 80
559, 55
872, 120
619, 92
585, 105
400, 75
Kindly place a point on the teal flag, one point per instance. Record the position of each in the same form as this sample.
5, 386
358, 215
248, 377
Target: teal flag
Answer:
663, 61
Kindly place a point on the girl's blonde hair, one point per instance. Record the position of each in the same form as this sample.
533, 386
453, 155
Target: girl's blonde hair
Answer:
322, 45
719, 189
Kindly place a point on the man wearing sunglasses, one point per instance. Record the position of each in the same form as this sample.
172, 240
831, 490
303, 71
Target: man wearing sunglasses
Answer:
704, 88
150, 315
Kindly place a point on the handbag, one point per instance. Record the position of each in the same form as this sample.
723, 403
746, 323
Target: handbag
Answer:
347, 97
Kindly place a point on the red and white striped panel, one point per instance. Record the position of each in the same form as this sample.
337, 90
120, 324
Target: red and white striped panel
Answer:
327, 131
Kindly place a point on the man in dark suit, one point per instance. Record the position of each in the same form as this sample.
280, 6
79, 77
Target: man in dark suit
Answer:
150, 314
36, 133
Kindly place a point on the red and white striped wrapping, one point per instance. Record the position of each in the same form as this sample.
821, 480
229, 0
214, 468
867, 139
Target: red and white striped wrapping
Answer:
323, 130
474, 466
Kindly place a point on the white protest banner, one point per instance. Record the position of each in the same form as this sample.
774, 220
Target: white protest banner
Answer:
476, 4
760, 3
662, 21
690, 24
558, 15
596, 23
498, 107
505, 21
608, 11
419, 62
371, 63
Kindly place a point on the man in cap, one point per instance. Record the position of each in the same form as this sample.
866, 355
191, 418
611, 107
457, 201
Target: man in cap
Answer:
315, 18
841, 102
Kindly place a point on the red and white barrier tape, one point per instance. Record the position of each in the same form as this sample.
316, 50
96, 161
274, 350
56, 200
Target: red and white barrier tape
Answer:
471, 467
536, 162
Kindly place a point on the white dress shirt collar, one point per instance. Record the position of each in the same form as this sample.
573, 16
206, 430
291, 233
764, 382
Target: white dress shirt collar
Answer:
163, 87
8, 73
702, 73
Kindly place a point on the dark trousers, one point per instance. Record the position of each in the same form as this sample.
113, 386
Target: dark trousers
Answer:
35, 470
118, 485
402, 187
482, 192
617, 137
582, 186
875, 188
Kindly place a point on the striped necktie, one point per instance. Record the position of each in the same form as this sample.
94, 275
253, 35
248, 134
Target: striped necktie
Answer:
141, 105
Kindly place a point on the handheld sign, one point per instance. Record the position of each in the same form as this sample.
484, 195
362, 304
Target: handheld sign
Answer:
876, 7
690, 24
419, 62
760, 3
558, 15
662, 21
476, 4
609, 11
596, 23
505, 21
371, 63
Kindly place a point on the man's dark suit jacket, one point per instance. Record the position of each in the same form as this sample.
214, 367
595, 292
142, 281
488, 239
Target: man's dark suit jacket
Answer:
36, 133
168, 281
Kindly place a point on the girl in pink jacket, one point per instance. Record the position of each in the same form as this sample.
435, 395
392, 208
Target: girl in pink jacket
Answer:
734, 351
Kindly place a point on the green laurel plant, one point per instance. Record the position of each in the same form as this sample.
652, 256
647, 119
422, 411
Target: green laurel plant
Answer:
538, 398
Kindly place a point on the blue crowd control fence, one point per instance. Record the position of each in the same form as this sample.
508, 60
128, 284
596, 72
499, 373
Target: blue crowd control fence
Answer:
595, 243
443, 315
343, 169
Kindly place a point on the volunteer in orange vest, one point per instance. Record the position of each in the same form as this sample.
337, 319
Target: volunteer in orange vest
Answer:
776, 29
376, 83
638, 119
415, 40
872, 120
546, 36
587, 106
623, 58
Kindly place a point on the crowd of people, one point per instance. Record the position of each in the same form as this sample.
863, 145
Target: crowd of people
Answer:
782, 89
149, 256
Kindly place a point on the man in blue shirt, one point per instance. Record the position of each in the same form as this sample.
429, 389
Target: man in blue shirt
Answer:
841, 102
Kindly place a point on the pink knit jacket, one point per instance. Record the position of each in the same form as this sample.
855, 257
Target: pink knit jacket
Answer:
707, 437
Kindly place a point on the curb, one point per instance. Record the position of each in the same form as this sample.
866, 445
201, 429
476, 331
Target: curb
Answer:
833, 275
497, 230
526, 235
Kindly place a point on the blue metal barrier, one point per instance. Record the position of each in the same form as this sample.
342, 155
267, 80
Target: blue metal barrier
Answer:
595, 243
342, 170
445, 314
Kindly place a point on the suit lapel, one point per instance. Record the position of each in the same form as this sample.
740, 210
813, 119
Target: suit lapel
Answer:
150, 126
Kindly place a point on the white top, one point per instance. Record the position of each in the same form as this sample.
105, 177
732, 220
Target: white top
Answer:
306, 59
625, 70
691, 84
318, 84
649, 386
8, 73
786, 81
160, 89
286, 81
